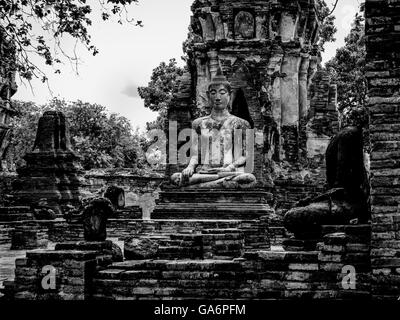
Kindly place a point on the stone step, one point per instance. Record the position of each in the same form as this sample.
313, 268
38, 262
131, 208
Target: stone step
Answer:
274, 257
173, 249
134, 212
177, 243
177, 265
223, 212
16, 209
254, 232
16, 217
185, 237
211, 196
186, 226
221, 231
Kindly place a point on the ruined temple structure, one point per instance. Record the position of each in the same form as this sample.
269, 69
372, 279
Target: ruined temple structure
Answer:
191, 253
52, 169
268, 52
8, 88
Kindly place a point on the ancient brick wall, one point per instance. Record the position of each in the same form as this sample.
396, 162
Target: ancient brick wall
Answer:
261, 274
322, 117
288, 192
139, 190
383, 73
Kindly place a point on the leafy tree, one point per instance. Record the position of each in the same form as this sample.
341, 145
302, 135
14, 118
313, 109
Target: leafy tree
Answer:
23, 134
159, 91
104, 141
328, 29
347, 68
39, 26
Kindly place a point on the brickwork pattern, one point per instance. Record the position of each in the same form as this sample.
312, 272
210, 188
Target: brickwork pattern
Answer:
383, 73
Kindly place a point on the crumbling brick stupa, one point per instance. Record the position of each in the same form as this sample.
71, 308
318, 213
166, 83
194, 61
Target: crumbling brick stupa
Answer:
52, 171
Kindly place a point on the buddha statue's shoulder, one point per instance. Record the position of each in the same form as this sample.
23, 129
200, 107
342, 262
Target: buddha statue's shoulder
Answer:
197, 123
238, 123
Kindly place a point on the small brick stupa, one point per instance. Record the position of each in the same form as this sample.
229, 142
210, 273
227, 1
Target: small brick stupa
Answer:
52, 171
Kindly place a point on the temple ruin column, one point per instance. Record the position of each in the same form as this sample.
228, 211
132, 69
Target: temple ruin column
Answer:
303, 103
202, 81
290, 90
303, 85
288, 25
290, 106
213, 62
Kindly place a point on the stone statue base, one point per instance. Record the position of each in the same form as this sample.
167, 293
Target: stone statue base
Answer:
187, 203
54, 176
331, 208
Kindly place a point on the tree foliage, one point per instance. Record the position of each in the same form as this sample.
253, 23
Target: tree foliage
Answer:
37, 27
159, 92
104, 141
328, 28
347, 68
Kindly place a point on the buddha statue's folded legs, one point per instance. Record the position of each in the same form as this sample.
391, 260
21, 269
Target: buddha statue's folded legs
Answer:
215, 180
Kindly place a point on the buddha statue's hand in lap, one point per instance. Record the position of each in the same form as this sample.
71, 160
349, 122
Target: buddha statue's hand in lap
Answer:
218, 169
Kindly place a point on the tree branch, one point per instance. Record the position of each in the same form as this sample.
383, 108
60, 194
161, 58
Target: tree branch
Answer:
334, 8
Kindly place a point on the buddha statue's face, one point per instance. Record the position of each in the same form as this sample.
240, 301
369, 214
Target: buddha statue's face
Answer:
219, 96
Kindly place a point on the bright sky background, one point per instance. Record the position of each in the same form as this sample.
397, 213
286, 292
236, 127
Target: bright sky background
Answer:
128, 55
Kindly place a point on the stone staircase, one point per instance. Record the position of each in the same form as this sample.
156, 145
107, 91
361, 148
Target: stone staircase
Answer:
132, 212
264, 275
221, 244
212, 204
254, 232
152, 279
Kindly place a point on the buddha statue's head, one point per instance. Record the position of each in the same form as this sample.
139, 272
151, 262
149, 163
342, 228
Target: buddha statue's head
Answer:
219, 92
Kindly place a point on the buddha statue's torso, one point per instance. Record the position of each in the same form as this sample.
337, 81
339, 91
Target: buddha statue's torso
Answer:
220, 134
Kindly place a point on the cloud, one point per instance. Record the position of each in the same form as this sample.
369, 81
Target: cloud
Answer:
131, 91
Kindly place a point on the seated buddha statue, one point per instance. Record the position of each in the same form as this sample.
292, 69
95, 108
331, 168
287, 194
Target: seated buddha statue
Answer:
218, 160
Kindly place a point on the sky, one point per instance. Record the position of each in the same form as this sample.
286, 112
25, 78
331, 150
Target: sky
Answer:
128, 54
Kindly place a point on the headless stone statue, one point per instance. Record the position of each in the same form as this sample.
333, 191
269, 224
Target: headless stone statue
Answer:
214, 164
347, 198
95, 217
